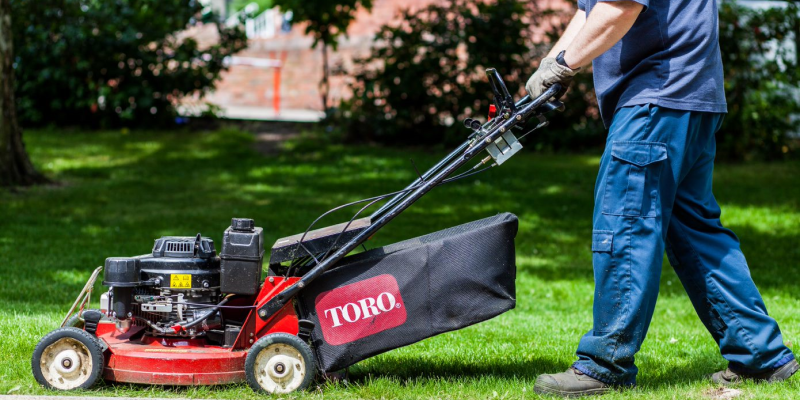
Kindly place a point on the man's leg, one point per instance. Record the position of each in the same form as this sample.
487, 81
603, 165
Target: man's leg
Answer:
710, 264
633, 195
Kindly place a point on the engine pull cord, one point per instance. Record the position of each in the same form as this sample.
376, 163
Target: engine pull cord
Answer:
204, 316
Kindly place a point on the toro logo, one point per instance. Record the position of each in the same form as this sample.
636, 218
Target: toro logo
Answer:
360, 309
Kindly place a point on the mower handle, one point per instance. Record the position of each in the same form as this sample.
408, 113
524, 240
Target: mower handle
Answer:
268, 309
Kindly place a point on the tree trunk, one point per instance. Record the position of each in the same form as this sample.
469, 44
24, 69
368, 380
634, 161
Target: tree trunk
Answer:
15, 166
324, 85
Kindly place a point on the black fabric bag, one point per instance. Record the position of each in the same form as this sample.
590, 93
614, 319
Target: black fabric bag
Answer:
399, 294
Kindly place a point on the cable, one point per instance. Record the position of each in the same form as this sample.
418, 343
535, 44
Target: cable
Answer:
462, 175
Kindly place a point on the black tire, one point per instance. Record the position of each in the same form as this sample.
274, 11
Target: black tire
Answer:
67, 359
291, 363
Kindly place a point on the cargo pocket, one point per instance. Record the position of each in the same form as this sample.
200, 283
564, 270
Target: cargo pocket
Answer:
608, 291
632, 182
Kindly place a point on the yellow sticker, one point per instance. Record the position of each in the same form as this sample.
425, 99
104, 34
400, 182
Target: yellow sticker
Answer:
180, 281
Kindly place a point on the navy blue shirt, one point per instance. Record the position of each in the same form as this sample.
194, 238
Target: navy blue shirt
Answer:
669, 58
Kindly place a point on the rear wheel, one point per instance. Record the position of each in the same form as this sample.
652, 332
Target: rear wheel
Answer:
279, 363
66, 359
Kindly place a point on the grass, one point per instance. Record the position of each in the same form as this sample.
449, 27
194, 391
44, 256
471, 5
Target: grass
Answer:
121, 190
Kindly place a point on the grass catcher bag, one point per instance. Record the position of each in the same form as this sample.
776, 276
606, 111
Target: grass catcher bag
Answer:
399, 294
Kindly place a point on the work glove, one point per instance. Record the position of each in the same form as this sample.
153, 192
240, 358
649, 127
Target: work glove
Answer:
549, 72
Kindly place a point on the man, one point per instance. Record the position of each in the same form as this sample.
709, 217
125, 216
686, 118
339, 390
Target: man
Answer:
658, 78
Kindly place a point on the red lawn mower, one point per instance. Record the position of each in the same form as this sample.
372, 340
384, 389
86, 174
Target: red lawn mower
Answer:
185, 315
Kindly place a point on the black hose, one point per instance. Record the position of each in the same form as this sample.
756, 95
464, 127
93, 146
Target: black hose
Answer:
204, 316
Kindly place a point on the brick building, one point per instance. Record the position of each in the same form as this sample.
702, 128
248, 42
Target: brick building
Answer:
278, 75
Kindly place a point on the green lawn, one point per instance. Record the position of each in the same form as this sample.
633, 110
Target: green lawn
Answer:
122, 190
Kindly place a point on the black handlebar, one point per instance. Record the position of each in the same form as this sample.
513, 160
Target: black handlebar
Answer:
513, 115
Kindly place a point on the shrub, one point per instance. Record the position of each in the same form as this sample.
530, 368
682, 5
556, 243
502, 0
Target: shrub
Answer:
93, 62
426, 74
761, 76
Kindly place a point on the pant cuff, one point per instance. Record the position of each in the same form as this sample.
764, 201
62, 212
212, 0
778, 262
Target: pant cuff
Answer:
744, 370
605, 378
783, 361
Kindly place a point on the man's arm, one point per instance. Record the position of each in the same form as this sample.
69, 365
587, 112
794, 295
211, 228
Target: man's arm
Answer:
585, 38
608, 22
569, 34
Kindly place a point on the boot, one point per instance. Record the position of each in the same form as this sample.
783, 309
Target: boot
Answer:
728, 377
572, 383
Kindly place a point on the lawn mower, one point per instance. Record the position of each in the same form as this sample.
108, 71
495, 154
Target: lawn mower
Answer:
185, 315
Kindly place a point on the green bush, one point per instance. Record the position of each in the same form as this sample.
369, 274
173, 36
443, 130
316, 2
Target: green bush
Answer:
761, 81
426, 74
105, 63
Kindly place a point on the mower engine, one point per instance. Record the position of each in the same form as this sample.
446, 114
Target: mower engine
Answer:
178, 289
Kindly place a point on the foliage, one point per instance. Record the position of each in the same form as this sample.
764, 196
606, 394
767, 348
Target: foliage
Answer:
325, 20
95, 62
761, 80
238, 5
427, 74
124, 190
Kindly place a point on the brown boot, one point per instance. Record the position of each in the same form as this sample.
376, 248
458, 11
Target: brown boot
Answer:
572, 383
728, 377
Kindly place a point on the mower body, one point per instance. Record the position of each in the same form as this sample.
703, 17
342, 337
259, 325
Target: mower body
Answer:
134, 357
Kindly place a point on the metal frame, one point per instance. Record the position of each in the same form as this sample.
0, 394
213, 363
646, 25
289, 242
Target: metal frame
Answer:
510, 115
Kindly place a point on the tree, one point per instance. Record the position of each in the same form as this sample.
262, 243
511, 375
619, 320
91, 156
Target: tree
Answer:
121, 62
427, 70
15, 166
326, 21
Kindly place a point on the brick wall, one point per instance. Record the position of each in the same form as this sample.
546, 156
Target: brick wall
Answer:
249, 86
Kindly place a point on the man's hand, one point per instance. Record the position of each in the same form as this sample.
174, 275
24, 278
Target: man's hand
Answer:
549, 72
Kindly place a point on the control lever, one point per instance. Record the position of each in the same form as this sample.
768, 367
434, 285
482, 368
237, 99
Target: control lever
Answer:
502, 98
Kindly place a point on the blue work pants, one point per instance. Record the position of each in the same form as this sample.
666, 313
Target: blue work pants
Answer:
653, 193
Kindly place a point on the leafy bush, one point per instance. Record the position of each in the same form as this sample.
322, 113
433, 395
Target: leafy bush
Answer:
426, 74
761, 81
93, 62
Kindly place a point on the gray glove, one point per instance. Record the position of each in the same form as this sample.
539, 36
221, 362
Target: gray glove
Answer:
549, 72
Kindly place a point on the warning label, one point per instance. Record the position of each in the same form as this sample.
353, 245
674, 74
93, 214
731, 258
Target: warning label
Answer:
180, 281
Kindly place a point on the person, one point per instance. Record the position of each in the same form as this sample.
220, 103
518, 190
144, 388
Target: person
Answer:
659, 84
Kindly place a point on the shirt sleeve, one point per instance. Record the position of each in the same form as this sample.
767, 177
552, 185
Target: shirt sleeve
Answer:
645, 3
582, 5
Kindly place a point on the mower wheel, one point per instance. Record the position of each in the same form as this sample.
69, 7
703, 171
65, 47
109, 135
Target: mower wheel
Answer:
67, 358
279, 363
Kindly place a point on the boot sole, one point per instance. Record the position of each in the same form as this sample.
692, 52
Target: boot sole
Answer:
563, 393
785, 372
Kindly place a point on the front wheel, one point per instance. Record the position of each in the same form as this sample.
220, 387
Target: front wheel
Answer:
66, 359
279, 363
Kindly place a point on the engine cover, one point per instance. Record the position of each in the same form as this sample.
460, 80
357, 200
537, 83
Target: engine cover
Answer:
176, 263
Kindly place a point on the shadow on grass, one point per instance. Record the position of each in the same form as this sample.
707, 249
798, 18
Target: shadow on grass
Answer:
126, 190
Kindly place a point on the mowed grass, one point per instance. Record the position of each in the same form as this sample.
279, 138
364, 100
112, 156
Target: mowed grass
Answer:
120, 191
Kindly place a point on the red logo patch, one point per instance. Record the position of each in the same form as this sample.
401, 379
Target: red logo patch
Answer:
360, 309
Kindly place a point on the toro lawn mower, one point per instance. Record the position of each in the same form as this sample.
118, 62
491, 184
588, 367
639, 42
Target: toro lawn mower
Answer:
184, 315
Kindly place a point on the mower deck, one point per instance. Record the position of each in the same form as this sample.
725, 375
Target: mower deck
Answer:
170, 361
179, 361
